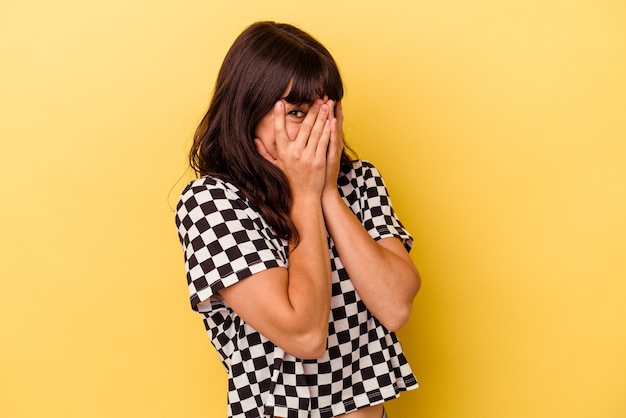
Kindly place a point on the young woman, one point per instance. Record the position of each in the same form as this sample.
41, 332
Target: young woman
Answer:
294, 255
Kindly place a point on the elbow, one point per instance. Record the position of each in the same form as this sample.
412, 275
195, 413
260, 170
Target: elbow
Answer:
314, 352
308, 346
397, 319
305, 340
417, 285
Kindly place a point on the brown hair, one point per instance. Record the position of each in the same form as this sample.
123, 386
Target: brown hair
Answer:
254, 75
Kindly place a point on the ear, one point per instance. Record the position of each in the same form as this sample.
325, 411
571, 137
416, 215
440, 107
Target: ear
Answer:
260, 147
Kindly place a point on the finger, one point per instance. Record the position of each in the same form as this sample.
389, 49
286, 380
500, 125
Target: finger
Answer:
319, 128
339, 129
324, 144
339, 114
333, 132
332, 119
326, 137
332, 106
308, 124
280, 130
335, 145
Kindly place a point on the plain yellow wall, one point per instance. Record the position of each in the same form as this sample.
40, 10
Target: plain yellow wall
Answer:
499, 127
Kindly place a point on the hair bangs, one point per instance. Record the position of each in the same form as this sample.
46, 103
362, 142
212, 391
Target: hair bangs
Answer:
315, 78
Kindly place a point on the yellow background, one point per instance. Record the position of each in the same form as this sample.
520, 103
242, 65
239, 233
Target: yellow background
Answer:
499, 127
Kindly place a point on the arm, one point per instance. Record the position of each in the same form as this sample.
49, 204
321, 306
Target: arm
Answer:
291, 306
382, 271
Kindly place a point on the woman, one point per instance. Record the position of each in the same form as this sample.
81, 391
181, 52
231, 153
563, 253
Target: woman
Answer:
294, 255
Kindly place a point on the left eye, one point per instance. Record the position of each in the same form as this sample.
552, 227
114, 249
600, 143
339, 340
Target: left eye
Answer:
297, 113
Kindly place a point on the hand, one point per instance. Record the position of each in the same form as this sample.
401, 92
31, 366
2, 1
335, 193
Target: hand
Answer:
335, 149
302, 159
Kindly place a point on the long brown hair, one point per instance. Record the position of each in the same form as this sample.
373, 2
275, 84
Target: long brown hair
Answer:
257, 69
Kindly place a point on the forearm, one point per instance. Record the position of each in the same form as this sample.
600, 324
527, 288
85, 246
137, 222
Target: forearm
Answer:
382, 272
309, 286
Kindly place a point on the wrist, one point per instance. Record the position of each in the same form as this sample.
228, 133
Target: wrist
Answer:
331, 198
304, 204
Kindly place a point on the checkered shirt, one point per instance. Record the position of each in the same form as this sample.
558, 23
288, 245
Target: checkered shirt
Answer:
225, 241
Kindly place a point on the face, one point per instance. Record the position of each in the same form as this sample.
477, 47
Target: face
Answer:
294, 115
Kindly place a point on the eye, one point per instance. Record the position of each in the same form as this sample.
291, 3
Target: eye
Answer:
297, 113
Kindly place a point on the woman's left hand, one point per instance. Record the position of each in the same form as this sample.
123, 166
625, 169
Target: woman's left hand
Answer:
334, 150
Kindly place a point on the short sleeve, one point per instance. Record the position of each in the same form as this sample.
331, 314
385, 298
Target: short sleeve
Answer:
224, 240
377, 214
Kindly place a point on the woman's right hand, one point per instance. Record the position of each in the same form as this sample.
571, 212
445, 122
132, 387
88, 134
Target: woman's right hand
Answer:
303, 159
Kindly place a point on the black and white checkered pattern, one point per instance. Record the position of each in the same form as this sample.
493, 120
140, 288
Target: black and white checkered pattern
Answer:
224, 241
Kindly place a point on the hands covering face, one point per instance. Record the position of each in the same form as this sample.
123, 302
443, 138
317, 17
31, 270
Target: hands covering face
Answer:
307, 148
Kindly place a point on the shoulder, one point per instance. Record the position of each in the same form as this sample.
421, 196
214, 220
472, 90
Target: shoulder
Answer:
211, 198
209, 189
367, 170
362, 168
212, 186
362, 172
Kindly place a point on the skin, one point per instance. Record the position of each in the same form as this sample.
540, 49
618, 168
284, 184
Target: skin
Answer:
305, 143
